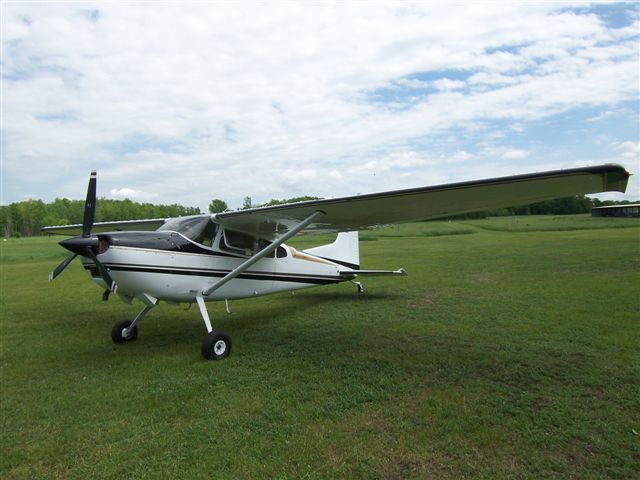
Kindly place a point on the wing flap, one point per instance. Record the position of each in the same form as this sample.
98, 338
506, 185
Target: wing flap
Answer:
424, 203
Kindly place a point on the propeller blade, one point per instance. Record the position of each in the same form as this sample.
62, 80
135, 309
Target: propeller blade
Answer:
58, 270
89, 206
111, 284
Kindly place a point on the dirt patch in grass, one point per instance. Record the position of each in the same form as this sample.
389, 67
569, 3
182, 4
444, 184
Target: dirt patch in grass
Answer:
420, 302
482, 277
403, 466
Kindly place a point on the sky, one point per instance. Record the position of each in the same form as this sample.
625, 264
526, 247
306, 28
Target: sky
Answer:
187, 102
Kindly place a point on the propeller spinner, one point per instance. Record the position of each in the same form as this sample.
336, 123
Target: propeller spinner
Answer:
84, 245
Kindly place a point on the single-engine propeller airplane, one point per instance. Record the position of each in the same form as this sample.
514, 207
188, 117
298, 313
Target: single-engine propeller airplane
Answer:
240, 254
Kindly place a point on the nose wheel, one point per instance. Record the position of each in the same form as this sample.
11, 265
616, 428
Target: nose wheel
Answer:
124, 332
127, 330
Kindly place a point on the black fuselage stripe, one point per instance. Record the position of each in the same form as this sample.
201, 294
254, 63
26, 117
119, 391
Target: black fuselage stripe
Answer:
294, 278
352, 266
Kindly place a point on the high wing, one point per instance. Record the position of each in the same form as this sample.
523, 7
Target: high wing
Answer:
423, 203
101, 227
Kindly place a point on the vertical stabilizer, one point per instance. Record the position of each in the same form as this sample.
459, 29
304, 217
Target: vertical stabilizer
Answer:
344, 250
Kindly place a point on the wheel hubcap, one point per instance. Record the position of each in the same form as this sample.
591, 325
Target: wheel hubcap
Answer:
220, 347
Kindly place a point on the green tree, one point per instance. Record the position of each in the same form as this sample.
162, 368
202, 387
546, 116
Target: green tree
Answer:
275, 201
6, 221
218, 206
246, 203
30, 216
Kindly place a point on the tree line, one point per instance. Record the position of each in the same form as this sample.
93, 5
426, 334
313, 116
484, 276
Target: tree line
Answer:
218, 206
26, 218
558, 206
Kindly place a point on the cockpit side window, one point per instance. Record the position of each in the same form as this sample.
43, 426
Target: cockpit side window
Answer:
197, 229
207, 234
241, 243
238, 242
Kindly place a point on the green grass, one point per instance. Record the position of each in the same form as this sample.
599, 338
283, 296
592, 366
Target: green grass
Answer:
30, 249
541, 223
502, 355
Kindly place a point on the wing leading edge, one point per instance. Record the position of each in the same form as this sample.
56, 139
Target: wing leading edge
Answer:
424, 203
101, 227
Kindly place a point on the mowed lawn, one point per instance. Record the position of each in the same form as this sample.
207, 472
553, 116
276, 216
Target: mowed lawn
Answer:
512, 350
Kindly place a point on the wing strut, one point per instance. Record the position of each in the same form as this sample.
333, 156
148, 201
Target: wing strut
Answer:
261, 254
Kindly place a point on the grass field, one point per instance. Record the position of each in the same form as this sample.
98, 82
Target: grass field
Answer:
512, 350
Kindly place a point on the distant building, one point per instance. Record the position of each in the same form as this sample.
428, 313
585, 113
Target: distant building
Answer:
628, 210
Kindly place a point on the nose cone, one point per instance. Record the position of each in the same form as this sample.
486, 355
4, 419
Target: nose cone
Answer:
79, 245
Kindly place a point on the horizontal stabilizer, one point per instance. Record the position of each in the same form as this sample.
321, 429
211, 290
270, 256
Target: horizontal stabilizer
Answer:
372, 273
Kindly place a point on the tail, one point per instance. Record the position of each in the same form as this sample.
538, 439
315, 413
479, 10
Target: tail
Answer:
344, 250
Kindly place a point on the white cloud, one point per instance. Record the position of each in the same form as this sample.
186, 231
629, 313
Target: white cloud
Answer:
459, 157
395, 161
446, 84
334, 175
493, 79
515, 154
235, 99
132, 194
295, 177
629, 150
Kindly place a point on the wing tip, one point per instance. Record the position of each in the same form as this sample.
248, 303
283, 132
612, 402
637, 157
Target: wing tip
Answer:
614, 178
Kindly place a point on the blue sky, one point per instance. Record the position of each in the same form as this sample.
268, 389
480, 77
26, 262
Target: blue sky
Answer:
182, 103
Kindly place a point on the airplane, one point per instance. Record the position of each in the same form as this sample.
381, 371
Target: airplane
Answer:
240, 254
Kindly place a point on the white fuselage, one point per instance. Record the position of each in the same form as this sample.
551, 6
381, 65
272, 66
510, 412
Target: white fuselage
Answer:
180, 276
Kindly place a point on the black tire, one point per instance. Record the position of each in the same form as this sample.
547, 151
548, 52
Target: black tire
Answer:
118, 328
216, 345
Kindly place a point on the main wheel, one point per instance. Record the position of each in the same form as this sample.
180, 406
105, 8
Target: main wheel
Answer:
216, 345
119, 335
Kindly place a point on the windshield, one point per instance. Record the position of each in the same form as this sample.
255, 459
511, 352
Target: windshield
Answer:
199, 229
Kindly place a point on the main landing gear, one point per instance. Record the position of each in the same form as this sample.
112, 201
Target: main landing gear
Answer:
216, 344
